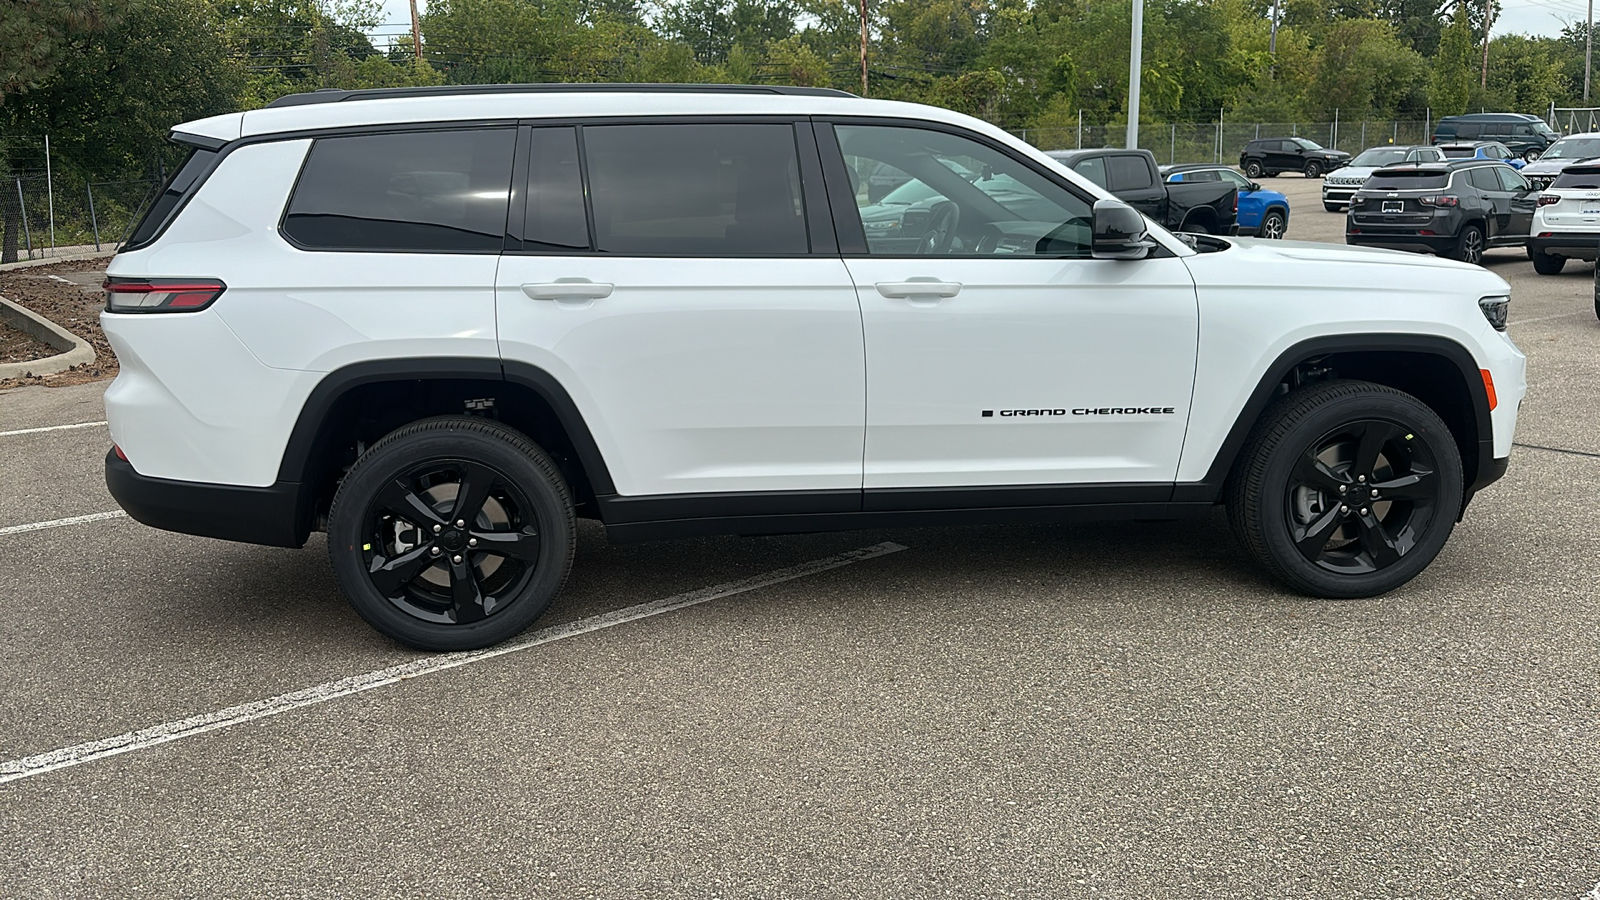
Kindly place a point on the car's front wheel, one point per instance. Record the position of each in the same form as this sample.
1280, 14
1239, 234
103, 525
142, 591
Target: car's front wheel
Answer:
452, 533
1253, 169
1313, 169
1346, 489
1273, 225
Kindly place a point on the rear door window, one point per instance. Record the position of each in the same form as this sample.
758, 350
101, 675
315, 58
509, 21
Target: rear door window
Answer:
1130, 173
696, 190
405, 192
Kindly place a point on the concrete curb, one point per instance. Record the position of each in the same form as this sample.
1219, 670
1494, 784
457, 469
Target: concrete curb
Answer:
77, 350
52, 260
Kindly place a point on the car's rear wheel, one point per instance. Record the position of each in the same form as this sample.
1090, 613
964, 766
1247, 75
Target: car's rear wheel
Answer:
1253, 169
1547, 263
1469, 246
1346, 489
1332, 207
452, 533
1313, 169
1273, 225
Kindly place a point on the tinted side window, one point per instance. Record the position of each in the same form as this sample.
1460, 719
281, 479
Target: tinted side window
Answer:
178, 185
1467, 129
696, 190
555, 219
417, 191
1509, 179
1129, 173
1094, 170
1483, 178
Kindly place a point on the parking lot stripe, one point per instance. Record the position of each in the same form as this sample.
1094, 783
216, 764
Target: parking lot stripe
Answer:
65, 757
1547, 318
49, 428
57, 523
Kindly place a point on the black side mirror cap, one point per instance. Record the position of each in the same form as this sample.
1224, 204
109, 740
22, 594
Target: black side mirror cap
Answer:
1120, 232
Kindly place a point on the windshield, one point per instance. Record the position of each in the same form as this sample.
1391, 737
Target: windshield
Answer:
1380, 156
1309, 145
1542, 128
1574, 148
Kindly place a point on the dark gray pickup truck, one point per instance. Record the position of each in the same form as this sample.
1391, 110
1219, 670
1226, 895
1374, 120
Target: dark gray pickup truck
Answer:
1209, 207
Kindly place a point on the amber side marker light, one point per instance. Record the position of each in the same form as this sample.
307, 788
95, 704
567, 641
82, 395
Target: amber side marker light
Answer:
1488, 387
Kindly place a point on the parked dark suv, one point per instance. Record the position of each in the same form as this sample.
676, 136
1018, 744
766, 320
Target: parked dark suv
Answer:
1526, 135
1454, 209
1269, 156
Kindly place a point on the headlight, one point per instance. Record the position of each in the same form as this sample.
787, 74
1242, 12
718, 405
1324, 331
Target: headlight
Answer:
1495, 310
883, 224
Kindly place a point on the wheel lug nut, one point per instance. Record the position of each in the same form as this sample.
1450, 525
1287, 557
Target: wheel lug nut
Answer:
1342, 488
455, 559
435, 551
473, 542
1361, 478
1344, 509
461, 523
438, 528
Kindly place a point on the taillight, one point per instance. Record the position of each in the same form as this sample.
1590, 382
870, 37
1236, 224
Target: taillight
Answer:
139, 295
1437, 200
1548, 200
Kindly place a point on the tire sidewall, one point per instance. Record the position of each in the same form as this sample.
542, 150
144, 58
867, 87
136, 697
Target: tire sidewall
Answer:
1383, 405
441, 439
1253, 169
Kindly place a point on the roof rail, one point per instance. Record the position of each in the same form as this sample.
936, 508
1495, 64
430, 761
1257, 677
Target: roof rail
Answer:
334, 95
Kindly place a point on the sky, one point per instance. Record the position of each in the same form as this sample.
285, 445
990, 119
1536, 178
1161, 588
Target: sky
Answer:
1536, 17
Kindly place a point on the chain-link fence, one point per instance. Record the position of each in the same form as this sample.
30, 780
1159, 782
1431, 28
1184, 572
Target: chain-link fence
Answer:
53, 202
1221, 142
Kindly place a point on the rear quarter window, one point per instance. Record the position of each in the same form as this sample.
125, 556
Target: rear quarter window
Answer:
183, 180
407, 192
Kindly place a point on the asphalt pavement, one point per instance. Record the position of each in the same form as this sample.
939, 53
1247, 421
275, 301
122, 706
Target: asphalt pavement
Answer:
1068, 711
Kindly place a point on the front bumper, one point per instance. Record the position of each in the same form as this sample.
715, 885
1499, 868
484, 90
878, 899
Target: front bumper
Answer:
1573, 245
252, 515
1339, 193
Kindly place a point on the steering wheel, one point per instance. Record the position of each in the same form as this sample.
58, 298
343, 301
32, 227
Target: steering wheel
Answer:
941, 229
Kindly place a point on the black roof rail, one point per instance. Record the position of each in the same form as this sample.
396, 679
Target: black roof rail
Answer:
334, 95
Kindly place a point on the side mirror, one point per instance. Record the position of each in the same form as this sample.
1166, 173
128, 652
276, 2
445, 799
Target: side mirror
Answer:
1120, 232
1252, 186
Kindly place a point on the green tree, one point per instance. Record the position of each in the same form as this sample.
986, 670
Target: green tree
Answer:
1450, 79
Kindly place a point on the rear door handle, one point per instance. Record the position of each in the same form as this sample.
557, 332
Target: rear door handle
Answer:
915, 288
568, 289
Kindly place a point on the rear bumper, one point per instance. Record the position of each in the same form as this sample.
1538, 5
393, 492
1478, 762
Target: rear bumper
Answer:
251, 515
1574, 245
1403, 240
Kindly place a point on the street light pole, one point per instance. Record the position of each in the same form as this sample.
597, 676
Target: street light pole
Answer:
1588, 50
1135, 67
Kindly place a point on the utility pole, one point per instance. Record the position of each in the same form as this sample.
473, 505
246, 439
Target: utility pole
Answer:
1272, 42
1135, 69
863, 48
1488, 22
1588, 50
416, 31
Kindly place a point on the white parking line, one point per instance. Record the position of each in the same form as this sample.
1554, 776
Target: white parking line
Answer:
57, 523
1547, 318
65, 757
49, 428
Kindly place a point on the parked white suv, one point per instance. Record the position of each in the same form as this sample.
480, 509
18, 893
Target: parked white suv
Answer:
1566, 223
441, 323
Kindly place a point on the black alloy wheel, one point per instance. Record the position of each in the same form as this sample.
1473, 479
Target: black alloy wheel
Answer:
1469, 246
1253, 169
451, 533
1347, 489
1273, 225
1313, 169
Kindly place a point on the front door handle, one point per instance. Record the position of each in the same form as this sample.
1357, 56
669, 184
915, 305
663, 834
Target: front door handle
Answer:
915, 288
568, 289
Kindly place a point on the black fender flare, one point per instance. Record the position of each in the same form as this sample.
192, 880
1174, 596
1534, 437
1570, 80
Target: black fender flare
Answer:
320, 402
1209, 489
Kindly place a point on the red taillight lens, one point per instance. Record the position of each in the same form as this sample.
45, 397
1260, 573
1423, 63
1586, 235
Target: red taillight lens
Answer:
1548, 200
131, 295
120, 455
1437, 200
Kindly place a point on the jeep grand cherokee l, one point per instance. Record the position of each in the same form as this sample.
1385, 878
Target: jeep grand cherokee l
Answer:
440, 324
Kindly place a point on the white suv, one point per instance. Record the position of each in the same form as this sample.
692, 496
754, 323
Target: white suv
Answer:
442, 323
1566, 223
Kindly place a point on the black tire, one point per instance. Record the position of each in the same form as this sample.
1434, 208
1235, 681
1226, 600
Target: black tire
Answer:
1309, 444
416, 576
1273, 225
1253, 168
1531, 154
1313, 169
1197, 226
1547, 263
1469, 245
